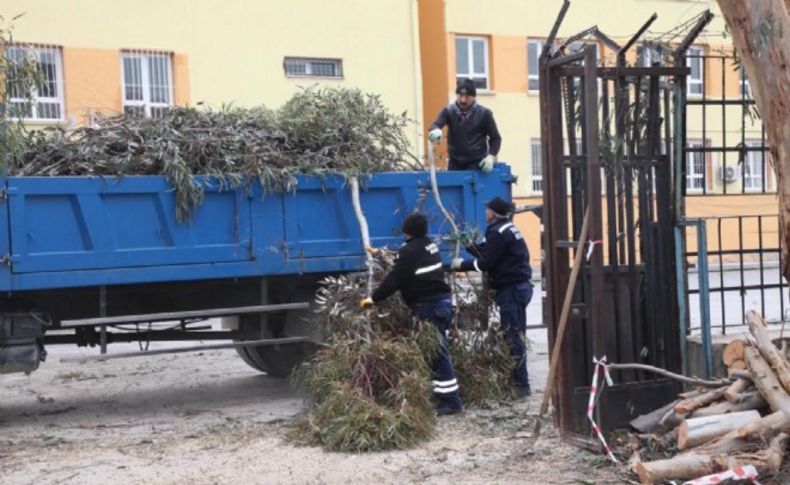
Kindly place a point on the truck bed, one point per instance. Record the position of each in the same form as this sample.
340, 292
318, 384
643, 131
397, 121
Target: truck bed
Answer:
67, 232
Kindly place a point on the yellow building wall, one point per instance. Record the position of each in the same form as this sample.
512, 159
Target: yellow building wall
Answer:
232, 51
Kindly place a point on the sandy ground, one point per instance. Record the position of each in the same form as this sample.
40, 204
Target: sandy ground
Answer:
208, 418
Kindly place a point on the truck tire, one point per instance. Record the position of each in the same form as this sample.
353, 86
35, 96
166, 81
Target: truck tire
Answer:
280, 360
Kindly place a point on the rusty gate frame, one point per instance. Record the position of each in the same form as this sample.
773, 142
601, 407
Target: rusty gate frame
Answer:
655, 331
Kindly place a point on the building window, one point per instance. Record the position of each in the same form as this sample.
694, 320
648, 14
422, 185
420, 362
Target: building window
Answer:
746, 88
303, 67
753, 166
147, 84
46, 98
537, 166
695, 167
534, 49
471, 60
695, 61
649, 55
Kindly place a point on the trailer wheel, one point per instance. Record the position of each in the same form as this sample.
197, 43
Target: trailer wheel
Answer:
280, 360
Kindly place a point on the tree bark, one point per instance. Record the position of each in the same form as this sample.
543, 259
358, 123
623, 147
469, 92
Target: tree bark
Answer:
648, 422
759, 31
734, 392
696, 431
765, 426
766, 381
766, 461
688, 405
749, 400
767, 348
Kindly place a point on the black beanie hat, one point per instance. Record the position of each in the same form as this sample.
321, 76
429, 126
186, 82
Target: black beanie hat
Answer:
415, 225
466, 85
499, 206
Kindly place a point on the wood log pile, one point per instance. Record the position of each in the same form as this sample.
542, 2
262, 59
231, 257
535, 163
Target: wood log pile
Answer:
747, 422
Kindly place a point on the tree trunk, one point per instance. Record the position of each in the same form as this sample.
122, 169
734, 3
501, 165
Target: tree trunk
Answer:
732, 351
696, 431
759, 31
648, 422
767, 348
766, 461
766, 382
734, 392
748, 400
688, 405
765, 426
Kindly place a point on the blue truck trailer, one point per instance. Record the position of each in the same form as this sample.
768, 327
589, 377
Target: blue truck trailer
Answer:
95, 260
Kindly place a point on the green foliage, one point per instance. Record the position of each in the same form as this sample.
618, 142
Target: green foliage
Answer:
480, 353
318, 131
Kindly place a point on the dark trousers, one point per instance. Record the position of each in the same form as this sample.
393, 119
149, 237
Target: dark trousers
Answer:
445, 386
513, 301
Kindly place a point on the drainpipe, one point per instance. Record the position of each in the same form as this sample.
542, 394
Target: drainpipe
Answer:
415, 44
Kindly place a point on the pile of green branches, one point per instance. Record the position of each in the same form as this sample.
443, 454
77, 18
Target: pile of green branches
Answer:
480, 353
369, 386
318, 131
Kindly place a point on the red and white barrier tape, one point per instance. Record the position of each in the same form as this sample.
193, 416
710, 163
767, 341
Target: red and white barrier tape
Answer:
590, 248
591, 403
747, 472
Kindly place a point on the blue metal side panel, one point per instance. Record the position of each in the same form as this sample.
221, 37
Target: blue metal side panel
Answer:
75, 231
5, 238
74, 223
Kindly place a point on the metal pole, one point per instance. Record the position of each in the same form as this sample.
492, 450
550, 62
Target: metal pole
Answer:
704, 295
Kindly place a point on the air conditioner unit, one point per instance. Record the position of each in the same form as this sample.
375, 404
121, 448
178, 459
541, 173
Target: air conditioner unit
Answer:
729, 173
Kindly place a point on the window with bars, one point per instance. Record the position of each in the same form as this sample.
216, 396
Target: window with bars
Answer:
147, 83
304, 67
695, 167
534, 49
753, 166
537, 166
471, 60
46, 102
696, 62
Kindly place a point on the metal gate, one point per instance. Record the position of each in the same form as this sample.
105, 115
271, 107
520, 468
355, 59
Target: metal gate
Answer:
625, 302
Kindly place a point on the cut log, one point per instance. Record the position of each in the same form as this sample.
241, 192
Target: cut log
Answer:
650, 421
671, 420
766, 461
732, 351
765, 426
766, 381
693, 463
696, 431
738, 364
733, 393
694, 392
749, 400
767, 348
688, 405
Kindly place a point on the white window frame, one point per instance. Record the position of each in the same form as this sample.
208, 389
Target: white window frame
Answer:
35, 98
648, 54
698, 52
536, 152
691, 174
470, 61
536, 76
308, 62
752, 159
145, 79
745, 86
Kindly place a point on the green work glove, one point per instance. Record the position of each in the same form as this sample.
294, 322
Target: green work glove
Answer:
435, 135
456, 263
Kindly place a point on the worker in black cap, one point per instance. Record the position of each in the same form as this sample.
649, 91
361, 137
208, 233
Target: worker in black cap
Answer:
504, 257
419, 276
473, 140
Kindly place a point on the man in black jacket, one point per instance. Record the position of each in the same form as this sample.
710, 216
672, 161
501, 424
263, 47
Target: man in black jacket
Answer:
505, 258
473, 139
419, 276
